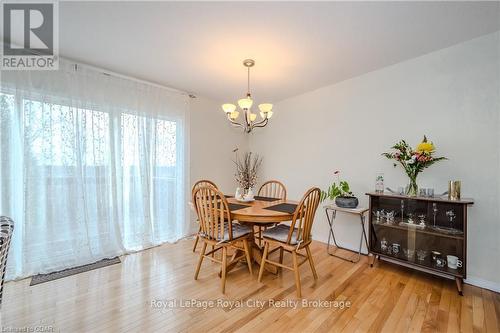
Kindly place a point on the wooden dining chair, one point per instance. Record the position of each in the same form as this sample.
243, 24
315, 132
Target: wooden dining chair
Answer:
270, 189
218, 230
197, 185
273, 189
293, 238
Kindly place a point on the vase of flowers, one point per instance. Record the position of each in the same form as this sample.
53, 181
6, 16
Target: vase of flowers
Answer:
246, 174
413, 161
341, 193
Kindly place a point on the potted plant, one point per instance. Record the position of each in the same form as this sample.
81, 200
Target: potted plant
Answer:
413, 161
341, 193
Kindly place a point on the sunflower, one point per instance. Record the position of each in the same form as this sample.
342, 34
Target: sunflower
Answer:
425, 146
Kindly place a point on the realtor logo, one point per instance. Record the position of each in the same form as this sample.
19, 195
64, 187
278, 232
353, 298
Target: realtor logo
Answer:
30, 36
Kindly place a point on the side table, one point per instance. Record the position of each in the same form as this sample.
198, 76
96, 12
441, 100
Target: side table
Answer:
331, 213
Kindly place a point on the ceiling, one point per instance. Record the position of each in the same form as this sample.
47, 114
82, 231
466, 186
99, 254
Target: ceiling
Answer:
298, 47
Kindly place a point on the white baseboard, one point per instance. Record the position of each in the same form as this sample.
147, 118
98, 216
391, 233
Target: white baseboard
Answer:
478, 282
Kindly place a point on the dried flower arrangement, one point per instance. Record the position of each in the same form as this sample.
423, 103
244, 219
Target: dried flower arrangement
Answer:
246, 169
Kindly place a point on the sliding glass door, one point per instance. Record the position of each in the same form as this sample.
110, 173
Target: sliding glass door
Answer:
85, 180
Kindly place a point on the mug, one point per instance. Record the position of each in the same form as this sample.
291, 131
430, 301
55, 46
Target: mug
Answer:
440, 262
453, 262
435, 255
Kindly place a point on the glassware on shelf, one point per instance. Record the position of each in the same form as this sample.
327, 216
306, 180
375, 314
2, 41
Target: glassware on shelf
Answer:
423, 192
421, 219
379, 215
409, 254
389, 217
434, 213
410, 218
450, 214
383, 245
421, 255
430, 192
396, 248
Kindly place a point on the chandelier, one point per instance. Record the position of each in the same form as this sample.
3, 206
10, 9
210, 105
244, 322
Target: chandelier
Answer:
249, 119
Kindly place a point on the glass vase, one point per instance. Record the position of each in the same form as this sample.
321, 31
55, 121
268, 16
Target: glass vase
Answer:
412, 188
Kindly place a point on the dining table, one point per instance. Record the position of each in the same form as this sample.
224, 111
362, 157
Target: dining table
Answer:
262, 211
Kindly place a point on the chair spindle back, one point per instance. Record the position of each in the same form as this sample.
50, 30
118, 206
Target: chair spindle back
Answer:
213, 210
303, 217
273, 189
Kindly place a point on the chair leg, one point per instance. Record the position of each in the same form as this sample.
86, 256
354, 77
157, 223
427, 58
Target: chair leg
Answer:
247, 254
281, 259
202, 255
213, 253
297, 274
263, 261
224, 268
196, 242
311, 262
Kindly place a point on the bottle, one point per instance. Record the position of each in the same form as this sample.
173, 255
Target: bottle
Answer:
379, 183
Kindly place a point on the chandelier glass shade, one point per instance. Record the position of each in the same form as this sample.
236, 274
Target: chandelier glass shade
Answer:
245, 104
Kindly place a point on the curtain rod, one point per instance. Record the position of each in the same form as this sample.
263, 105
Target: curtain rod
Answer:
118, 75
126, 77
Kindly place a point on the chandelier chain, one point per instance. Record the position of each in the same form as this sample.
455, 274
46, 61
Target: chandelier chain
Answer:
248, 81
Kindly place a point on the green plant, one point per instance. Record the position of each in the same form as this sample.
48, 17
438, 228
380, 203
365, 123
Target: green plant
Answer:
337, 190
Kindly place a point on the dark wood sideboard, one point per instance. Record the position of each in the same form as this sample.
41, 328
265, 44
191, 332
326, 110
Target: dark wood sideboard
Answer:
420, 232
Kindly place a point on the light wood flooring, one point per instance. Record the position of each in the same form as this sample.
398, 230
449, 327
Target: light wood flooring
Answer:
127, 298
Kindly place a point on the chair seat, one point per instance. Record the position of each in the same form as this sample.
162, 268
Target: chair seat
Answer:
239, 230
280, 234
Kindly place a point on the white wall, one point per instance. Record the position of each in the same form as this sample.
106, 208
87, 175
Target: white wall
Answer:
212, 140
451, 95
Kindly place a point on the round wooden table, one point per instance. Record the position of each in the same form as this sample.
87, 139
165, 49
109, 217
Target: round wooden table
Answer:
256, 214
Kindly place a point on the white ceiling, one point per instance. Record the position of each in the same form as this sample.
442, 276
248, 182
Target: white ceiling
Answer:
298, 47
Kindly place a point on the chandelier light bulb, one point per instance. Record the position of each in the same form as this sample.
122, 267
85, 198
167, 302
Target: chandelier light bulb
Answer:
245, 103
253, 116
233, 115
265, 107
228, 108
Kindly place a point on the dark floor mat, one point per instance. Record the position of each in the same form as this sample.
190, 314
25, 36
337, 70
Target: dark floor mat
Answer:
41, 278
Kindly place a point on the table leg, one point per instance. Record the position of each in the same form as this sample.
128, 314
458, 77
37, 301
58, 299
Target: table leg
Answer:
331, 235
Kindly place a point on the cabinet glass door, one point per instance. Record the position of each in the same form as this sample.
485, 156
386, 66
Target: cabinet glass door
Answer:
425, 233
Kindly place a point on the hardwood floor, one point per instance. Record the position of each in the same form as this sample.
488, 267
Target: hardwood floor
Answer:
127, 298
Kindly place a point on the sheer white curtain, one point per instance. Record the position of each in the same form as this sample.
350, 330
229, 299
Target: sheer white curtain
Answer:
92, 166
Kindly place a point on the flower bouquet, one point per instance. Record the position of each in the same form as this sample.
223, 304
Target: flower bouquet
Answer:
413, 161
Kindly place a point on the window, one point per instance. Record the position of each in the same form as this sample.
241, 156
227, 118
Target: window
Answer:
84, 180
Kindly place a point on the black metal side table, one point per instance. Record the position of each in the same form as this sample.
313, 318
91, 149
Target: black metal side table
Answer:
331, 213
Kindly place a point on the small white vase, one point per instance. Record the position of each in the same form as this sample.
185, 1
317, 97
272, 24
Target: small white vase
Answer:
238, 195
249, 195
